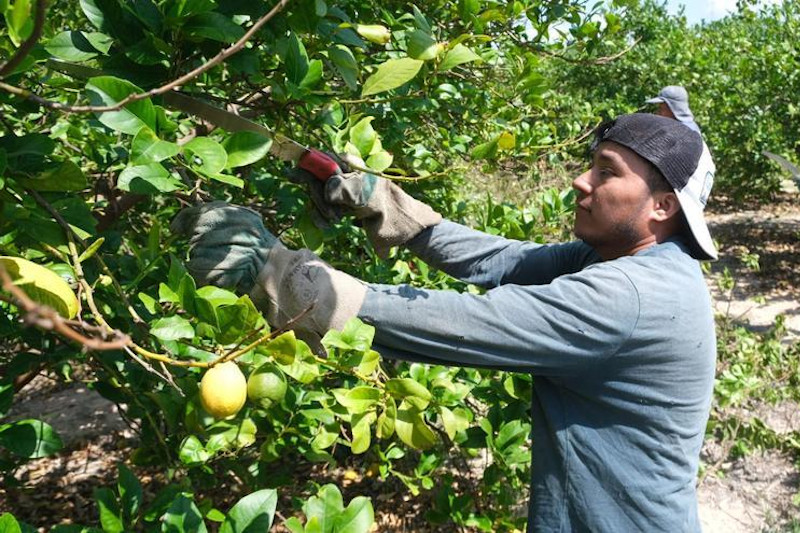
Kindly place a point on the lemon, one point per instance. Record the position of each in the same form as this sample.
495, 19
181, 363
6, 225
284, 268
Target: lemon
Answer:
267, 385
223, 390
42, 285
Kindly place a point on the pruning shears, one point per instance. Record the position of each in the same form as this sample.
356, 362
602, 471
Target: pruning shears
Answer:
318, 163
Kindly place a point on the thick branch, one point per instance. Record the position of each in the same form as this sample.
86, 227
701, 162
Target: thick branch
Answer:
23, 51
217, 59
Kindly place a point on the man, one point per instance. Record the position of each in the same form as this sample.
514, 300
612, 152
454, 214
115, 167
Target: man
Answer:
617, 328
673, 102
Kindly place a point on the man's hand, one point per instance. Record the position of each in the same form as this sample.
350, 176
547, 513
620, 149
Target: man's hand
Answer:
230, 247
389, 216
228, 244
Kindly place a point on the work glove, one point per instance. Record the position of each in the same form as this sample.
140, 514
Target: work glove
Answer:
389, 216
230, 247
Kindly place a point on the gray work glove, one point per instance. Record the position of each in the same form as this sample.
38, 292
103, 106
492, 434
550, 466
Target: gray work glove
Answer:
389, 216
230, 247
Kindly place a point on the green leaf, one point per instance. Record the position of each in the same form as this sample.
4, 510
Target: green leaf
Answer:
422, 46
3, 161
458, 55
42, 285
186, 8
358, 399
30, 439
326, 436
390, 75
152, 178
345, 63
386, 421
487, 150
409, 390
91, 249
19, 21
227, 436
324, 507
108, 90
172, 328
65, 177
357, 518
454, 420
313, 75
252, 514
362, 432
294, 525
93, 13
296, 60
110, 517
214, 26
192, 451
245, 148
412, 429
363, 136
380, 161
6, 398
283, 348
130, 492
78, 46
183, 516
148, 148
217, 296
209, 156
9, 524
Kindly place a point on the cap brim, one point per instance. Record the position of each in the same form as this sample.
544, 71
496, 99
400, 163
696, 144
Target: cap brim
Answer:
693, 211
656, 100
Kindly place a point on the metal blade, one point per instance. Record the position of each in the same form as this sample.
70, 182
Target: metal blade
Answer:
282, 147
782, 161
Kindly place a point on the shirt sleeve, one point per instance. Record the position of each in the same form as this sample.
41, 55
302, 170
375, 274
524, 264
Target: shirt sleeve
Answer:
564, 328
490, 261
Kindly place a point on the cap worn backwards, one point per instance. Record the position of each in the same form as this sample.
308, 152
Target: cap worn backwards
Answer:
676, 152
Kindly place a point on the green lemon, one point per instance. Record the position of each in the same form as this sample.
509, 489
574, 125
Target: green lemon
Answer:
266, 386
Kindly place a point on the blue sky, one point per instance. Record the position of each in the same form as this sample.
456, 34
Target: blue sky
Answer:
699, 11
712, 10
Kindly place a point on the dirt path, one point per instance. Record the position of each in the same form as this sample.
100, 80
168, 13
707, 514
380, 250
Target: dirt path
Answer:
755, 493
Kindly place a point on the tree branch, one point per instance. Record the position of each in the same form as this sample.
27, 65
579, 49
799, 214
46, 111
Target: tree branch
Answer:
220, 57
23, 51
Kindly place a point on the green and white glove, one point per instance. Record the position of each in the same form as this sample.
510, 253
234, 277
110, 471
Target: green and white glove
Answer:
389, 216
230, 247
228, 244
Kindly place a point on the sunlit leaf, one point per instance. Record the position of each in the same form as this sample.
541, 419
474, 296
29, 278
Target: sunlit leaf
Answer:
391, 75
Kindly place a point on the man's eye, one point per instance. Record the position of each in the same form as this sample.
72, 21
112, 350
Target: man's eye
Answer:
605, 172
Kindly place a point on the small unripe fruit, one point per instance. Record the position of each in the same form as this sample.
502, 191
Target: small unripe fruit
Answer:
266, 386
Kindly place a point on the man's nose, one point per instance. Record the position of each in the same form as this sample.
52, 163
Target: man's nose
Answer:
582, 183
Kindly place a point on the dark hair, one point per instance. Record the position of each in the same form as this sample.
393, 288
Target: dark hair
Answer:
655, 180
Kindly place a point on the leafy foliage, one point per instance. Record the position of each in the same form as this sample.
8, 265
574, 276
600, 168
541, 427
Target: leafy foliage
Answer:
435, 94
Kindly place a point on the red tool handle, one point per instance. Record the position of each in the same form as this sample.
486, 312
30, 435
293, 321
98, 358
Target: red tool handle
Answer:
319, 163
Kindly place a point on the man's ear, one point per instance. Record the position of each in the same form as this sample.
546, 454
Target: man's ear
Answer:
665, 206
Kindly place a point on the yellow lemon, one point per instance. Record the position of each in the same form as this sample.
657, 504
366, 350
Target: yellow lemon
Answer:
42, 285
223, 390
267, 385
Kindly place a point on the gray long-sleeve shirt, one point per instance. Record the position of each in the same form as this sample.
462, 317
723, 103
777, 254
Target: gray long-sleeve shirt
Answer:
622, 353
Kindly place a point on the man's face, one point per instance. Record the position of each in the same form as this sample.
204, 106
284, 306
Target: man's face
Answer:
664, 110
614, 203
